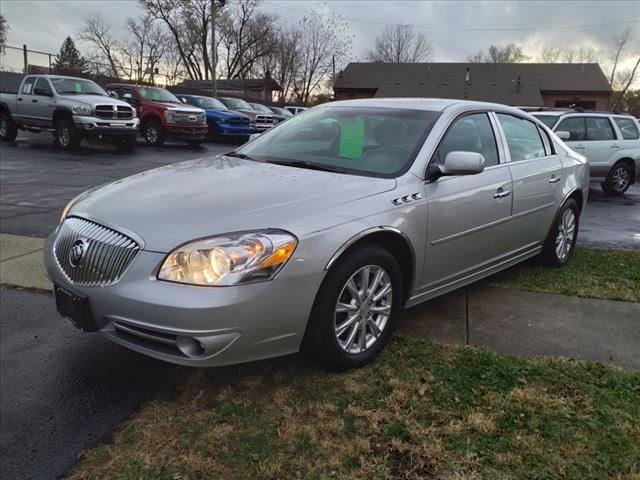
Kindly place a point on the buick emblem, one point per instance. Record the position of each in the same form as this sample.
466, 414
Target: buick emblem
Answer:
78, 249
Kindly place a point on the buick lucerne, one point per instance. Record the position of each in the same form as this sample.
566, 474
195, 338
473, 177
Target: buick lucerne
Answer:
316, 234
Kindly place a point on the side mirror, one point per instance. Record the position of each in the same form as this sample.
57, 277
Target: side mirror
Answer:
563, 134
42, 92
183, 100
457, 163
113, 94
127, 97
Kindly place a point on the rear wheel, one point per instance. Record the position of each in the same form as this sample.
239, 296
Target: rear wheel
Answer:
66, 135
8, 129
355, 310
153, 133
562, 238
618, 180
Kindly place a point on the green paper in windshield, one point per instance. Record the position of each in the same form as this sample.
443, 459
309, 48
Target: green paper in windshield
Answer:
351, 137
78, 87
155, 95
143, 92
201, 101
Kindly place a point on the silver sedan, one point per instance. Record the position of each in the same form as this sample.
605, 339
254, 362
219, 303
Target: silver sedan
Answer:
316, 234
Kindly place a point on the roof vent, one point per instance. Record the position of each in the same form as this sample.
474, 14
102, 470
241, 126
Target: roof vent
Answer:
467, 77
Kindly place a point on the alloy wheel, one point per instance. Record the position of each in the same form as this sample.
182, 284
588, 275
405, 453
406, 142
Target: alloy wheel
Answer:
363, 309
3, 128
620, 178
566, 234
152, 134
64, 136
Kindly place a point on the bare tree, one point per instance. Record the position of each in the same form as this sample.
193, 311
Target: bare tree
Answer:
283, 64
246, 36
624, 80
510, 53
145, 49
323, 39
619, 44
106, 48
400, 44
579, 55
550, 55
4, 28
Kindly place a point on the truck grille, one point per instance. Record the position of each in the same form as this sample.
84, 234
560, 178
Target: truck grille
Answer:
188, 117
114, 112
264, 119
91, 255
239, 121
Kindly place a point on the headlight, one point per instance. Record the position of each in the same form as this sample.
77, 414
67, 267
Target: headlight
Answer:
204, 119
69, 205
230, 259
82, 110
169, 115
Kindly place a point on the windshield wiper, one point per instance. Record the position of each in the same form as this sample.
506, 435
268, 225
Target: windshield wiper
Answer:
67, 92
309, 165
243, 156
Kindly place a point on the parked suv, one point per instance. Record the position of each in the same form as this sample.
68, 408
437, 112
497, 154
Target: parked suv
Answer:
610, 141
162, 115
259, 121
258, 107
222, 122
72, 108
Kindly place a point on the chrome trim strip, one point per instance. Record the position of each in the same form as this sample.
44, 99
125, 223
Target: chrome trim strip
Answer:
138, 333
489, 225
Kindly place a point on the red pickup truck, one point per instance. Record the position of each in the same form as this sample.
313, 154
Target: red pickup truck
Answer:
162, 115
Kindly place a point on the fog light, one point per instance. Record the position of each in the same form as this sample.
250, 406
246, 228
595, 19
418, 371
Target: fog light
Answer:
190, 347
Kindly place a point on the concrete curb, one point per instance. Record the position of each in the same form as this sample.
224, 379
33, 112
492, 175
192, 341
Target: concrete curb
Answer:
21, 262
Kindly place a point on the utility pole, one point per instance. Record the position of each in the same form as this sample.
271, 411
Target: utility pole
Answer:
214, 53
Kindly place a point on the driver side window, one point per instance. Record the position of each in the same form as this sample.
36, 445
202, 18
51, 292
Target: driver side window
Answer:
471, 133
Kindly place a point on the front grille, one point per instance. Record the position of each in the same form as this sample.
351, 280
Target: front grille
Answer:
115, 112
264, 119
91, 255
239, 121
187, 117
150, 339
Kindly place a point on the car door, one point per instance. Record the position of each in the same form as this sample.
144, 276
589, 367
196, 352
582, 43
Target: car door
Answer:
628, 135
601, 145
42, 103
23, 100
468, 215
577, 129
536, 171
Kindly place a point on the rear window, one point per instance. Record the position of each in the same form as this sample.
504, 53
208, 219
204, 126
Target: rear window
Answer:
548, 120
628, 128
523, 138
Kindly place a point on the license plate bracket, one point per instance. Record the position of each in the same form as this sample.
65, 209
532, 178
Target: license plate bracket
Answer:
75, 308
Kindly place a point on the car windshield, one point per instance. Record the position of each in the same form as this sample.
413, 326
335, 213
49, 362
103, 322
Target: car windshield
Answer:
237, 104
77, 86
282, 111
361, 140
157, 95
548, 120
210, 103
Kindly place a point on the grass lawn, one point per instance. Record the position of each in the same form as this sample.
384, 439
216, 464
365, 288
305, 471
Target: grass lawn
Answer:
422, 410
611, 275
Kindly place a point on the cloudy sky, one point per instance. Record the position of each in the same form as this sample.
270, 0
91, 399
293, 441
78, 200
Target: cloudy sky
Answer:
455, 28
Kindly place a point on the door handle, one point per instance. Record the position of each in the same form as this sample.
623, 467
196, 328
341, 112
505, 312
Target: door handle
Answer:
34, 100
554, 179
581, 147
19, 99
501, 193
615, 146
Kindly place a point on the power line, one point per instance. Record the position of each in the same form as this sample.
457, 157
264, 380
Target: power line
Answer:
469, 29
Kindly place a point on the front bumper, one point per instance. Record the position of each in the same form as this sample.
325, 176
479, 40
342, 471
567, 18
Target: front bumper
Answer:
196, 326
101, 126
261, 127
189, 132
233, 130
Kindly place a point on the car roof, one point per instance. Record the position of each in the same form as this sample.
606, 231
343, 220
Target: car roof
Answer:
555, 113
429, 104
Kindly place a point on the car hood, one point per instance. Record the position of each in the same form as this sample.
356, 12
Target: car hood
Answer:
95, 100
177, 203
226, 114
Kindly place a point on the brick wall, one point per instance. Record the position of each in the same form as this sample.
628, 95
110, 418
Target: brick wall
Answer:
600, 101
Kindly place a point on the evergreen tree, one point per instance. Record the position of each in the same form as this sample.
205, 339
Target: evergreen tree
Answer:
69, 61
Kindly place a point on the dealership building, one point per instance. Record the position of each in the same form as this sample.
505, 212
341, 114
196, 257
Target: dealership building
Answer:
581, 85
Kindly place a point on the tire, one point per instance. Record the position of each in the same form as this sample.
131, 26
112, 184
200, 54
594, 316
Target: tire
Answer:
214, 135
560, 244
618, 180
66, 135
127, 143
344, 350
8, 129
153, 133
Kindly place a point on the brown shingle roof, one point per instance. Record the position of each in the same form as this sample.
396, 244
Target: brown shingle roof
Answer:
511, 83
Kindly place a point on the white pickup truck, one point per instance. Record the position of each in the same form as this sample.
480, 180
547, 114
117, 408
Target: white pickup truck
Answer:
72, 108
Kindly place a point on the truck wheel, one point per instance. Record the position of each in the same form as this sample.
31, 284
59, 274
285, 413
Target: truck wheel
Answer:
8, 129
618, 180
67, 137
354, 312
127, 143
153, 133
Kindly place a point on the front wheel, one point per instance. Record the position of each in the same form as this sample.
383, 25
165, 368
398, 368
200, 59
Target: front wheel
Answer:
66, 135
8, 129
618, 180
153, 133
357, 305
561, 242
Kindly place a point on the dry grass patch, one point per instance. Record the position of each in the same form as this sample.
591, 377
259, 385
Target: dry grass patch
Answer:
420, 411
